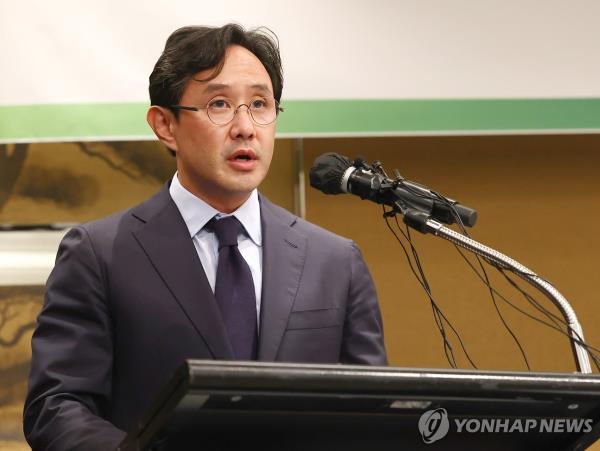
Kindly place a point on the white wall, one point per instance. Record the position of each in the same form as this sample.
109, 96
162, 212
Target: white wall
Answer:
71, 51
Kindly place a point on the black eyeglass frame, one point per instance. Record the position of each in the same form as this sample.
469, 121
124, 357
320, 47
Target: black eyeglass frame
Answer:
196, 109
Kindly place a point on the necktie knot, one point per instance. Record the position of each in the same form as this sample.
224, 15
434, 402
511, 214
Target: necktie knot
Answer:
226, 229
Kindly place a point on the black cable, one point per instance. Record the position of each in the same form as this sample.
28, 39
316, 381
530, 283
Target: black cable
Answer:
557, 320
436, 311
551, 316
448, 351
487, 282
535, 303
417, 259
576, 340
539, 307
439, 316
528, 297
531, 300
458, 220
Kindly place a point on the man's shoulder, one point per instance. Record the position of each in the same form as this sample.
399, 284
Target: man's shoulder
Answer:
129, 219
317, 232
310, 230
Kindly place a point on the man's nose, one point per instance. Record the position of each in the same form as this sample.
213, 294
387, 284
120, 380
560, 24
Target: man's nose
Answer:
242, 125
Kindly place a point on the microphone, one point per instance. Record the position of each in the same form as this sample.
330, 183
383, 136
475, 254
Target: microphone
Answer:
336, 174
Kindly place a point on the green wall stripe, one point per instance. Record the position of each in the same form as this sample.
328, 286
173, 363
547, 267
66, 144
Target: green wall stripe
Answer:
336, 117
73, 121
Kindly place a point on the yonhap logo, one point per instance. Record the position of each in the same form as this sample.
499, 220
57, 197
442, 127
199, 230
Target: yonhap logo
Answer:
434, 425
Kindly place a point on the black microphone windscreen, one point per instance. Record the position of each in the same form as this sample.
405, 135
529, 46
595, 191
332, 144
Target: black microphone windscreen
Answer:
327, 171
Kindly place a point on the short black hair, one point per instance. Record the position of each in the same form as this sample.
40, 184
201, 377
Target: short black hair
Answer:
192, 49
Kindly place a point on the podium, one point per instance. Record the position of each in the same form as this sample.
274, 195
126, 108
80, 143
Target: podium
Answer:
232, 405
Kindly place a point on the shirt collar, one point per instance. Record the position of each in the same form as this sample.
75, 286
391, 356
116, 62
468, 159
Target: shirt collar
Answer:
196, 213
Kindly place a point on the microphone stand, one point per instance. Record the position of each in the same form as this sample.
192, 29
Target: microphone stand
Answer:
423, 223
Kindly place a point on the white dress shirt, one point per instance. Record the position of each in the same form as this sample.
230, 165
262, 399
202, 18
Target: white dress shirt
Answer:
196, 214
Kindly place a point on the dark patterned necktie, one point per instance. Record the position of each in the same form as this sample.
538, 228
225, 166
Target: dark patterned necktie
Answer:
234, 289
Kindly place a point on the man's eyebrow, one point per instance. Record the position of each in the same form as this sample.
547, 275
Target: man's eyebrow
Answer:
261, 87
212, 87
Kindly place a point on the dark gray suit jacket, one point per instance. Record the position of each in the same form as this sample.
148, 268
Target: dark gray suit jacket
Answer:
128, 301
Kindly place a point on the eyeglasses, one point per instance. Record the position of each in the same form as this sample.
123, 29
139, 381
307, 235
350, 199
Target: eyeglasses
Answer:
263, 111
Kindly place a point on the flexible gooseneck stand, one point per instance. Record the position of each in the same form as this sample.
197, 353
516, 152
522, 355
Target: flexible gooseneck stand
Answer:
422, 222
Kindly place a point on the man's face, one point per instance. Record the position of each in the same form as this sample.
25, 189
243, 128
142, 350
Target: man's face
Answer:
222, 164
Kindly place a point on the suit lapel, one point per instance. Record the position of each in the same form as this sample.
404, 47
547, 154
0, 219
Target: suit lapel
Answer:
167, 243
284, 254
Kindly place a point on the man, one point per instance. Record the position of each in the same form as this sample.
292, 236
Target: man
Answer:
134, 295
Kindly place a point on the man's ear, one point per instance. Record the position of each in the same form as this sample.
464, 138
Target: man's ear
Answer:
162, 121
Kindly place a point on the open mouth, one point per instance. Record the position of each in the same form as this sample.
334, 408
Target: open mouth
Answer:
244, 160
243, 155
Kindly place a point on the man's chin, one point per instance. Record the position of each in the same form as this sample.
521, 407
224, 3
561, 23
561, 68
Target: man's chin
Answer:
240, 190
245, 182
